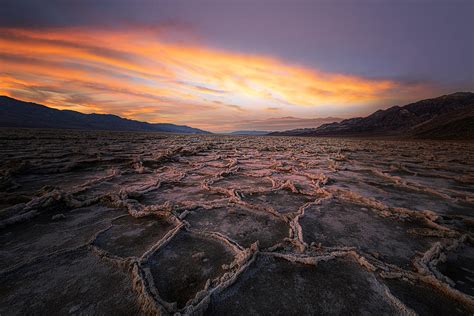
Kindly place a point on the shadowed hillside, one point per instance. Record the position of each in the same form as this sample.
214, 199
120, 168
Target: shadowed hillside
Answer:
16, 113
446, 117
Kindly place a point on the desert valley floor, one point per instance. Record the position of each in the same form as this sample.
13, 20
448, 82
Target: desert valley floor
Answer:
143, 223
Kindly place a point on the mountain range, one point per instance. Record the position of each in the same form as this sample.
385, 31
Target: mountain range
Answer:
446, 117
274, 124
16, 113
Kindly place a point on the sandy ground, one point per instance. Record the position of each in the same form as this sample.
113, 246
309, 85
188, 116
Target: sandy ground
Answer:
135, 223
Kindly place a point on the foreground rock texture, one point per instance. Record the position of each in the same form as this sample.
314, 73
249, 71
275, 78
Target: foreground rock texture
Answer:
136, 223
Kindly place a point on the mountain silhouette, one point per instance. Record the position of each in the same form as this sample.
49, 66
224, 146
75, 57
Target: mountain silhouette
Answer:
16, 113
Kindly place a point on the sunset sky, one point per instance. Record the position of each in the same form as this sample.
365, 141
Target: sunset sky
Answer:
229, 65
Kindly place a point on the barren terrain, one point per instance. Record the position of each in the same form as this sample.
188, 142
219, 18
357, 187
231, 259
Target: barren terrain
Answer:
144, 223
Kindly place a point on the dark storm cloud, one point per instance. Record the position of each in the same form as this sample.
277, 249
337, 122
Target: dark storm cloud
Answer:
56, 13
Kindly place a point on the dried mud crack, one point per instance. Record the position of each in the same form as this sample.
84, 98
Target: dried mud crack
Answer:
137, 223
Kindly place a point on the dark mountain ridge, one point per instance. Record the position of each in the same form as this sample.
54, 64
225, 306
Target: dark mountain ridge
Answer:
431, 118
16, 113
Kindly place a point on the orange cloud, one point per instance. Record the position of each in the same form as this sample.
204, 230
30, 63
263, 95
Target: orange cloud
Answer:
137, 75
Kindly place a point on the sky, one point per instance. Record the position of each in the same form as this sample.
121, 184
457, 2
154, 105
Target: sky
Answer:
224, 65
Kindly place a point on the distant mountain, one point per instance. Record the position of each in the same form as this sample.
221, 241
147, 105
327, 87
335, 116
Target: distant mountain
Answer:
446, 117
16, 113
284, 123
294, 132
257, 133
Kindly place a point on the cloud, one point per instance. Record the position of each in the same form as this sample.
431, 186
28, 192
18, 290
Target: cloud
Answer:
209, 90
138, 74
231, 106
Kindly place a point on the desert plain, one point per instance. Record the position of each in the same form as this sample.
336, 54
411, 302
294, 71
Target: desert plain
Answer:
146, 223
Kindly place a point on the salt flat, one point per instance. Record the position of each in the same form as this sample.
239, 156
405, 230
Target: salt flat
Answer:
146, 223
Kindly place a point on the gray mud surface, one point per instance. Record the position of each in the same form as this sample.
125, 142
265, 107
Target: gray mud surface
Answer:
143, 223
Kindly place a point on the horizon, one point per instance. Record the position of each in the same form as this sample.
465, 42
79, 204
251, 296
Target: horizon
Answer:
275, 124
224, 68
